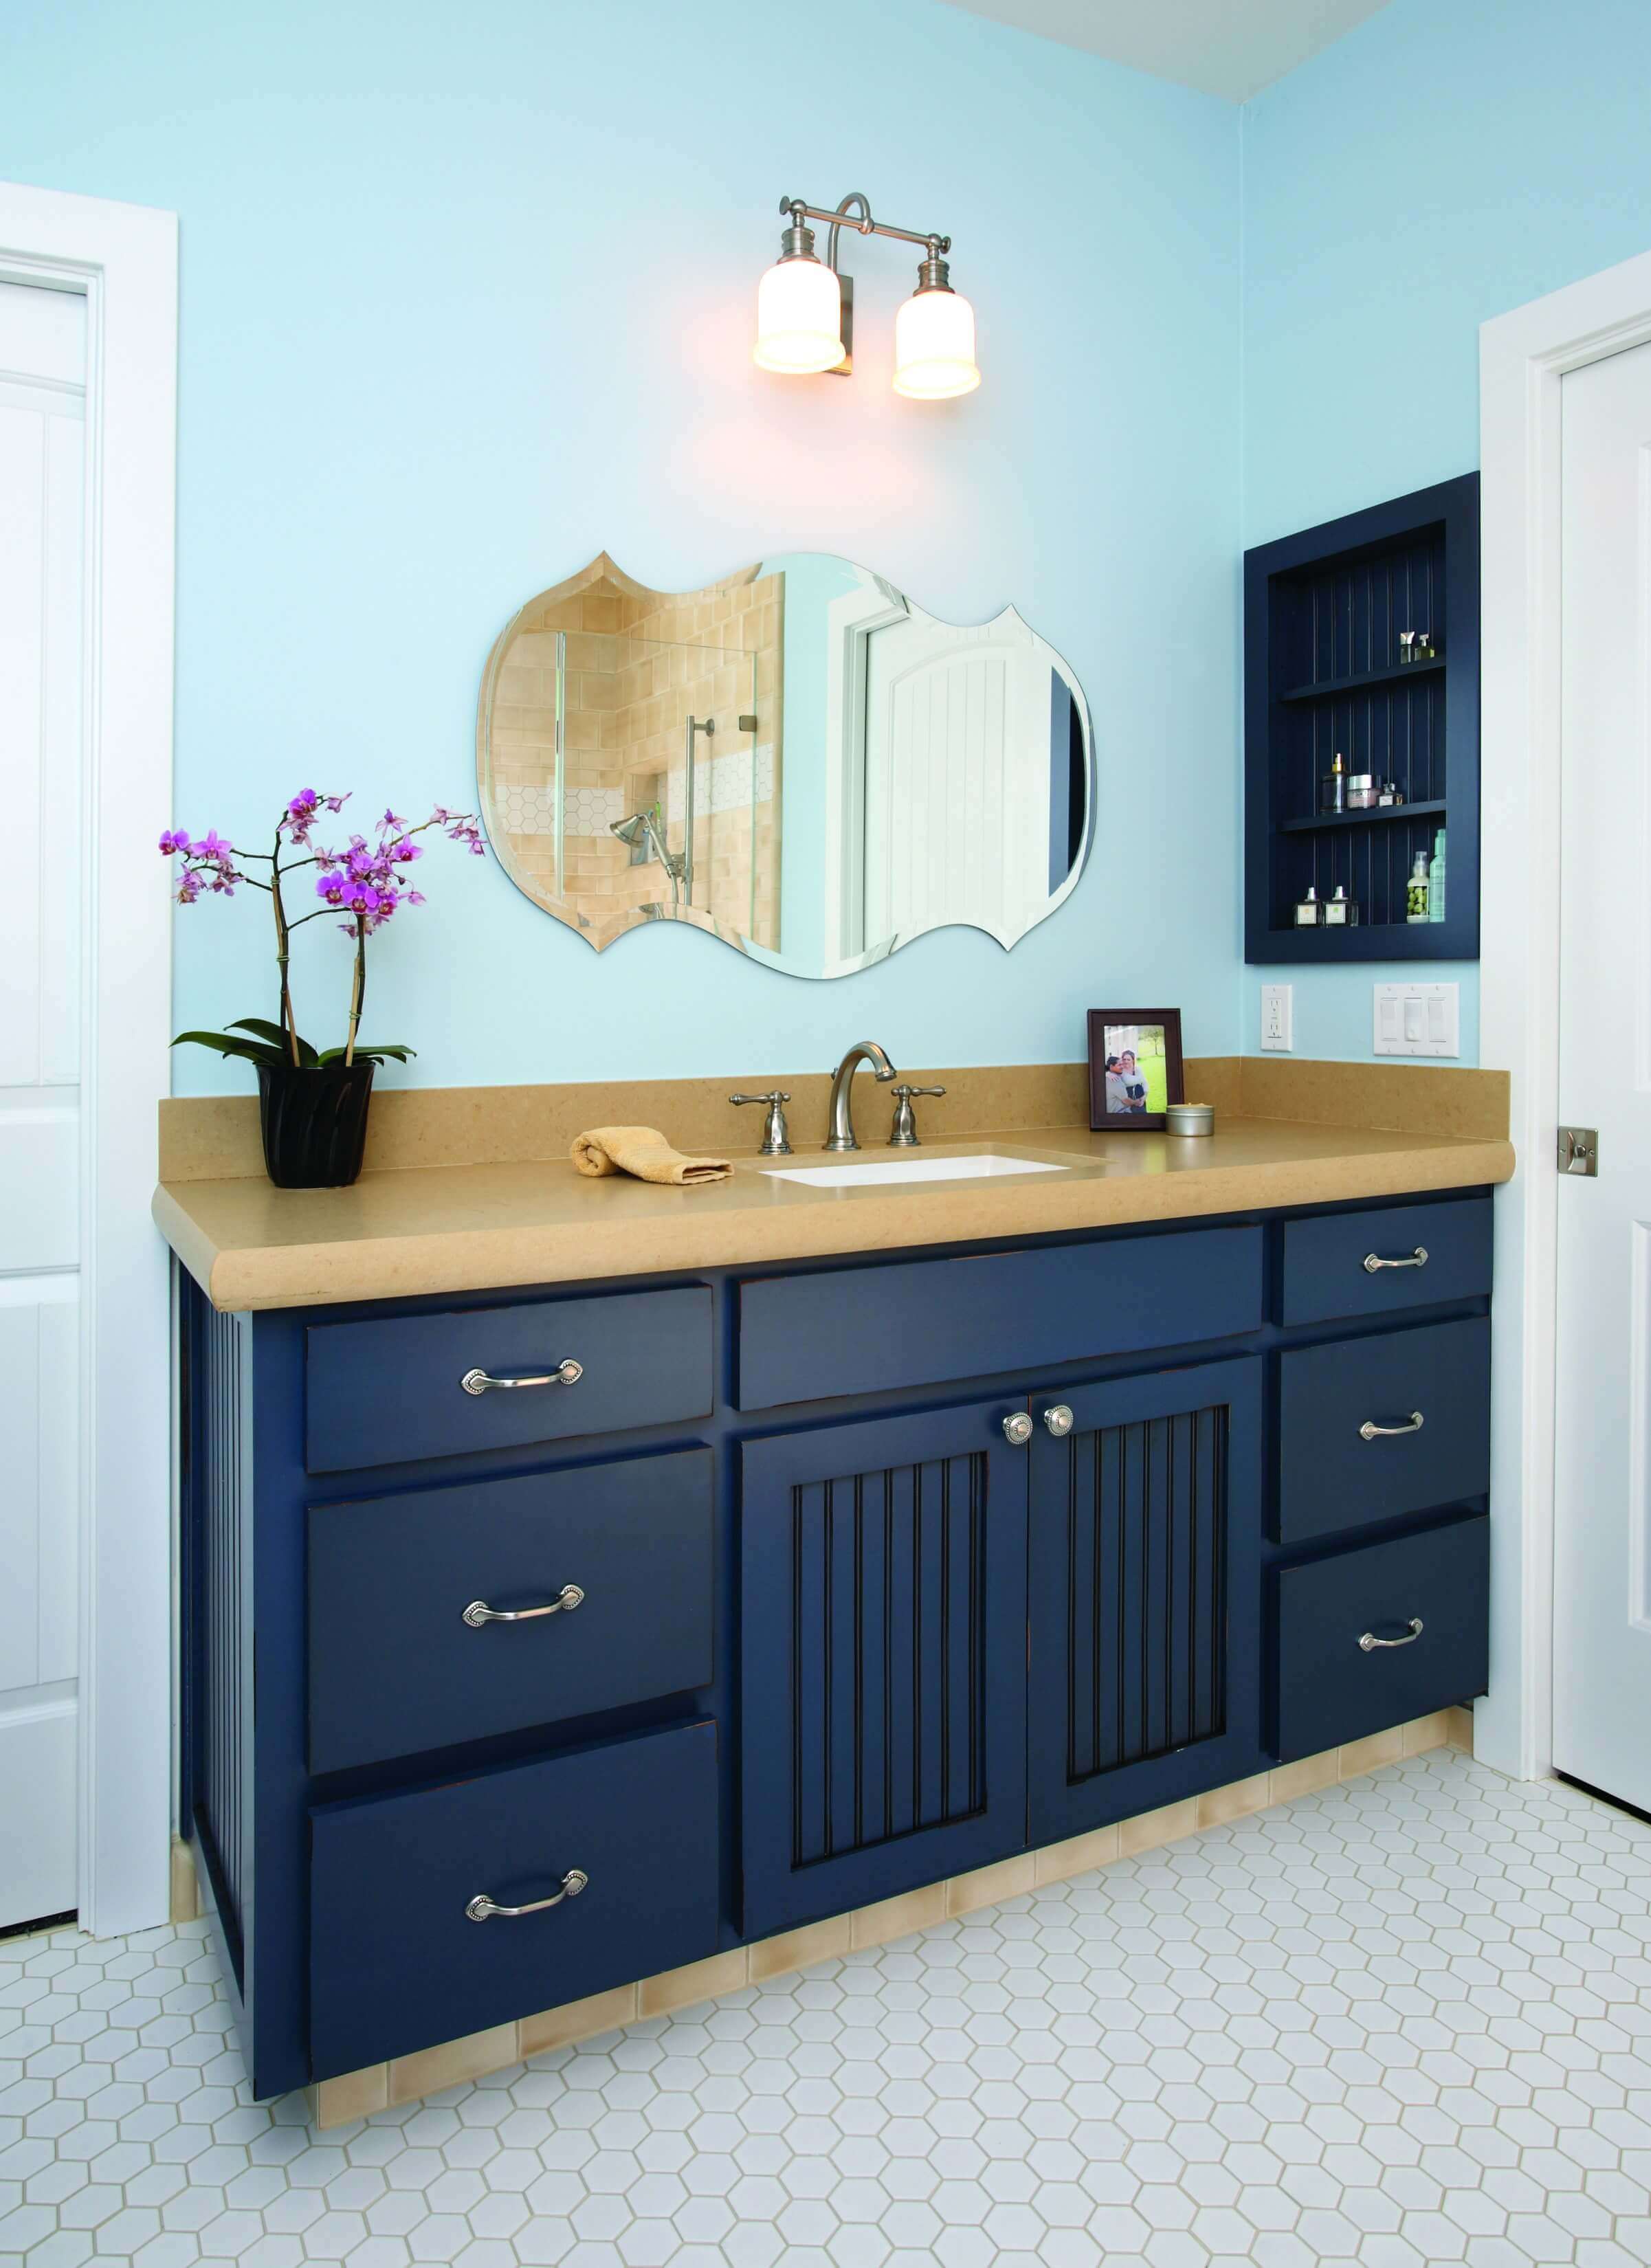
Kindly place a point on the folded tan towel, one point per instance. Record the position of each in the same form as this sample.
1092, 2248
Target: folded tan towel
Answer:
644, 1152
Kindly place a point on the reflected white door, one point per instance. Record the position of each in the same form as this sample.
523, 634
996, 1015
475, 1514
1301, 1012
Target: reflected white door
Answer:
1602, 1730
957, 778
42, 435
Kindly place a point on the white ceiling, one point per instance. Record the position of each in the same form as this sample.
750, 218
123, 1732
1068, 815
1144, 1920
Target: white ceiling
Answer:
1229, 48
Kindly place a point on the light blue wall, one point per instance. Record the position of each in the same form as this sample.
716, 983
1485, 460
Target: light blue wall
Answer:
1447, 161
467, 295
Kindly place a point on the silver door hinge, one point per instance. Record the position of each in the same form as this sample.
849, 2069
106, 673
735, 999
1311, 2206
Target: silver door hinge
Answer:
1579, 1151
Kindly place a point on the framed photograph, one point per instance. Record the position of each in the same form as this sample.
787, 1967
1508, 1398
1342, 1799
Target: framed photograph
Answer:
1134, 1067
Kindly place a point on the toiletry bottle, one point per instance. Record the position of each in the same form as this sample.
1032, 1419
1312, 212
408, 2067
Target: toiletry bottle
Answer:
1436, 880
1333, 787
1308, 909
1416, 891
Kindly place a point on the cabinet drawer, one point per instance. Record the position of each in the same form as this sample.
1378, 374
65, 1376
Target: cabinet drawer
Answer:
1332, 1688
1327, 1271
381, 1393
1332, 1477
397, 1964
860, 1330
394, 1668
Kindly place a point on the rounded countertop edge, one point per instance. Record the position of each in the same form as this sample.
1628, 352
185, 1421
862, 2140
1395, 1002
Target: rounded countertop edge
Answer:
262, 1278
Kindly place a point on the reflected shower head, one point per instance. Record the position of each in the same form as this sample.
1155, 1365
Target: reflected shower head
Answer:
630, 831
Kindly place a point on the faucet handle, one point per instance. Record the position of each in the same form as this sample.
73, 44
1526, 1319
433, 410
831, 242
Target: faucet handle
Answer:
776, 1134
904, 1133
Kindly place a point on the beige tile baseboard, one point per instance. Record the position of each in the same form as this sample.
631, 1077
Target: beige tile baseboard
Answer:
356, 2094
186, 1883
214, 1138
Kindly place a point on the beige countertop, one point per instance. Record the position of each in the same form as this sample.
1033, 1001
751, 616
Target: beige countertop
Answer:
470, 1226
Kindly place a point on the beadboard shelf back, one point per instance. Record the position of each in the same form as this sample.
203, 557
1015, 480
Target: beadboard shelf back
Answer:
1323, 613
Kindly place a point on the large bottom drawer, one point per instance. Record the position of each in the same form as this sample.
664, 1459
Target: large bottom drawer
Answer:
1371, 1638
396, 1961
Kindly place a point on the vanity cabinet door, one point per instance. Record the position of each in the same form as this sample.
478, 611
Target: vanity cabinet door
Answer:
1145, 1604
883, 1685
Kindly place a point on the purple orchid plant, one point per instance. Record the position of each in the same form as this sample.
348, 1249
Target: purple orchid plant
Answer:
367, 882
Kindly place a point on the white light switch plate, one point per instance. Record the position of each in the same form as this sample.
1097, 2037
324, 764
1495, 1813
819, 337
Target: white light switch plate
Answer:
1277, 1017
1418, 1019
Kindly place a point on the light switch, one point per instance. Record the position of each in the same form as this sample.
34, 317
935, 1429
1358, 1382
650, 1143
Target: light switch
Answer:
1417, 1019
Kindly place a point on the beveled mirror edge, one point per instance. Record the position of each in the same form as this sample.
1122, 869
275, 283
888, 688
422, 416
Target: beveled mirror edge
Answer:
603, 566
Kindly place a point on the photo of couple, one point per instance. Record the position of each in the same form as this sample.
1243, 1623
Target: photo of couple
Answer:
1128, 1088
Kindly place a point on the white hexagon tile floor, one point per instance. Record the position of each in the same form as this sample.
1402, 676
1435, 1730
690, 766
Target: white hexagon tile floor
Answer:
1405, 2021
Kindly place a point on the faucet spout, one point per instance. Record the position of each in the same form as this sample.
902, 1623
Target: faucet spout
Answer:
863, 1052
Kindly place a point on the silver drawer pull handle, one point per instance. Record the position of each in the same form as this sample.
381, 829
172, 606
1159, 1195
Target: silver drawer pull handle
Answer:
1374, 1262
482, 1908
565, 1373
478, 1612
1371, 1431
1369, 1642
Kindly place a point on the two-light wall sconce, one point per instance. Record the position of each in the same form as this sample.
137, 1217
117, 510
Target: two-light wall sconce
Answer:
805, 308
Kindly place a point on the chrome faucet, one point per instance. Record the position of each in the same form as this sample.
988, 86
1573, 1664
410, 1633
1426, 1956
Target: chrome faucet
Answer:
841, 1134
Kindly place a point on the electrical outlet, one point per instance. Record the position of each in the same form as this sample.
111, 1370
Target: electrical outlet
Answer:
1418, 1019
1277, 1017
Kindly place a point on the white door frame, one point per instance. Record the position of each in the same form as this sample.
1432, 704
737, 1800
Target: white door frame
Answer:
1524, 356
124, 259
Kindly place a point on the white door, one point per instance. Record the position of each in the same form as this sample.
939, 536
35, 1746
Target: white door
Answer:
43, 434
1602, 1731
957, 778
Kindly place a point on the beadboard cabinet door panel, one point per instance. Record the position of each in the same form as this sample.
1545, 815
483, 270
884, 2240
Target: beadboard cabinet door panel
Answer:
1145, 1610
883, 1681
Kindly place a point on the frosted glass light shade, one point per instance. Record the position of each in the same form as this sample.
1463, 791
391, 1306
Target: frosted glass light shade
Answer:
798, 318
934, 346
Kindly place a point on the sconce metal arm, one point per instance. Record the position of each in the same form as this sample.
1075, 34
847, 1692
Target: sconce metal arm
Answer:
862, 223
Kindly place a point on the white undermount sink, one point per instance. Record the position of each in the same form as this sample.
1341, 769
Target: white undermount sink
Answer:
984, 1166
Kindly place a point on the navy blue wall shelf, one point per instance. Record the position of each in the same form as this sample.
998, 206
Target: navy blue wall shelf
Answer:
1323, 613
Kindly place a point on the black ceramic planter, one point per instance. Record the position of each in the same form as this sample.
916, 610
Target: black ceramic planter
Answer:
315, 1124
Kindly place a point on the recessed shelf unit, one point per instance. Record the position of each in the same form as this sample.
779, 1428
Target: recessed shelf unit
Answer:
1322, 615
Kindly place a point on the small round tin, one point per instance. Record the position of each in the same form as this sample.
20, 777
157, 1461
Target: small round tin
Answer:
1190, 1118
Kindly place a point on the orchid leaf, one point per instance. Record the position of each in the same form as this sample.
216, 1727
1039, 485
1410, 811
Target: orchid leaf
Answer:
398, 1049
277, 1038
226, 1044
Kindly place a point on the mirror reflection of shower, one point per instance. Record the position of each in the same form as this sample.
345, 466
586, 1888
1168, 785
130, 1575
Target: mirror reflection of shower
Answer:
641, 830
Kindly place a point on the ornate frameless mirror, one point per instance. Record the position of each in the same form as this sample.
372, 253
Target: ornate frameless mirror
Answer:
797, 759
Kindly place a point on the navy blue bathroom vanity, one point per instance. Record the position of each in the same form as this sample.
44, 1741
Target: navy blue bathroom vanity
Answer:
787, 1589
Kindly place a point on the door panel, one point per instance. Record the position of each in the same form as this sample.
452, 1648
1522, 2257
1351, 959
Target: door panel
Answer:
42, 435
883, 1695
1602, 1685
1145, 1638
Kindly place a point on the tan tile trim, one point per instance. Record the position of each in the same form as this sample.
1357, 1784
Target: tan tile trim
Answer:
335, 2101
184, 1885
214, 1138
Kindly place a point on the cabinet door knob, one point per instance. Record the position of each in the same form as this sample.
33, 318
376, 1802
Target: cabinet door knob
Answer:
1374, 1262
482, 1908
1371, 1431
478, 1613
1017, 1429
1369, 1643
565, 1373
1059, 1420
